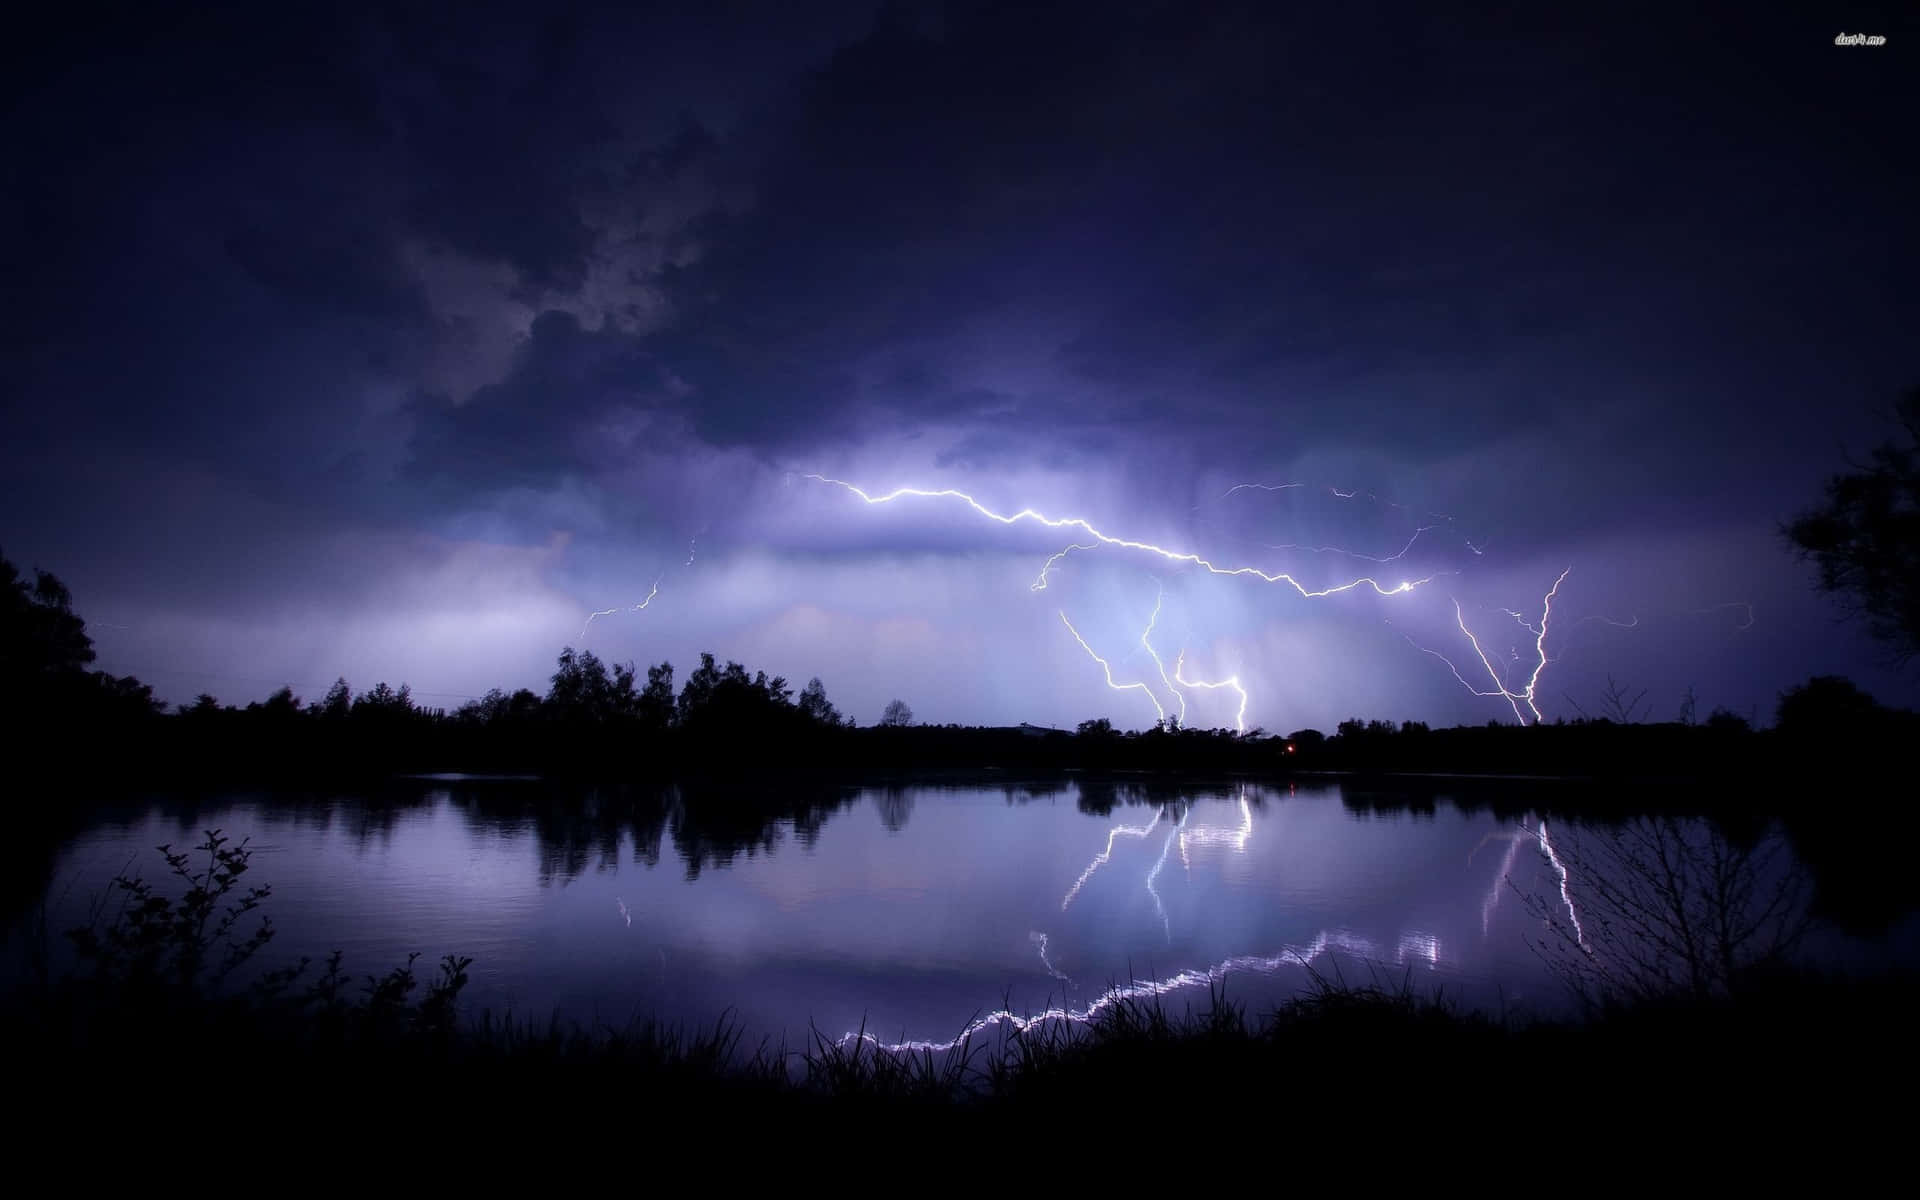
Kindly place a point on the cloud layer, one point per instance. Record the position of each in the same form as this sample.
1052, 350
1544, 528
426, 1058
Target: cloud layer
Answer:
393, 346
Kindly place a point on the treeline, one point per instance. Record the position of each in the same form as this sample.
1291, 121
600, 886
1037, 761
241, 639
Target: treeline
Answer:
600, 719
615, 721
595, 717
1825, 724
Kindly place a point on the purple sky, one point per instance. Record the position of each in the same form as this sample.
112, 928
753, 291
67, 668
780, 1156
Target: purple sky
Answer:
393, 347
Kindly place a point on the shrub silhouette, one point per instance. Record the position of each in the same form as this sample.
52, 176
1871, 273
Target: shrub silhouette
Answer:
191, 942
159, 957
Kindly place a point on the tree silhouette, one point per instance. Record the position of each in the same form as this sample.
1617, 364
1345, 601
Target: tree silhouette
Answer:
1865, 538
43, 637
44, 655
338, 703
484, 711
896, 714
656, 699
1725, 720
582, 692
816, 706
1828, 709
623, 698
698, 691
1621, 704
279, 710
895, 805
385, 702
498, 708
719, 702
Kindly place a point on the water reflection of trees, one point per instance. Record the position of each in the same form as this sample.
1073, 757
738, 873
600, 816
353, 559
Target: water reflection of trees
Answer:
1099, 797
576, 828
1846, 877
895, 804
1658, 906
1027, 792
710, 824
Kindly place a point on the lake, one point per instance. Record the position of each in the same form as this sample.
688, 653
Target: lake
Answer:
917, 911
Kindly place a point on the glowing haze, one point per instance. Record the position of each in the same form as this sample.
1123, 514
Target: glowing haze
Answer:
1251, 368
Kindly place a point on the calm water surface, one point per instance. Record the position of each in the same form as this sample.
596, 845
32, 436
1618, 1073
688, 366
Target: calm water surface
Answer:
915, 910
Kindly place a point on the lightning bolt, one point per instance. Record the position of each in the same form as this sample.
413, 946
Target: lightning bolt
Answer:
1039, 941
1492, 901
1527, 694
1198, 835
1233, 682
1538, 835
1413, 944
1212, 835
1040, 584
1161, 713
1522, 699
1100, 859
1566, 895
1215, 835
1265, 487
1080, 523
604, 612
1146, 637
607, 612
1175, 683
1153, 874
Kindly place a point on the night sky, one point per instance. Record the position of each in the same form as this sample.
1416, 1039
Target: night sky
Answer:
393, 346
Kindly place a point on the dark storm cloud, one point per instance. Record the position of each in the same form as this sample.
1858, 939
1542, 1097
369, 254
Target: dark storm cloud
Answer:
530, 429
175, 172
1574, 276
1362, 228
1279, 233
